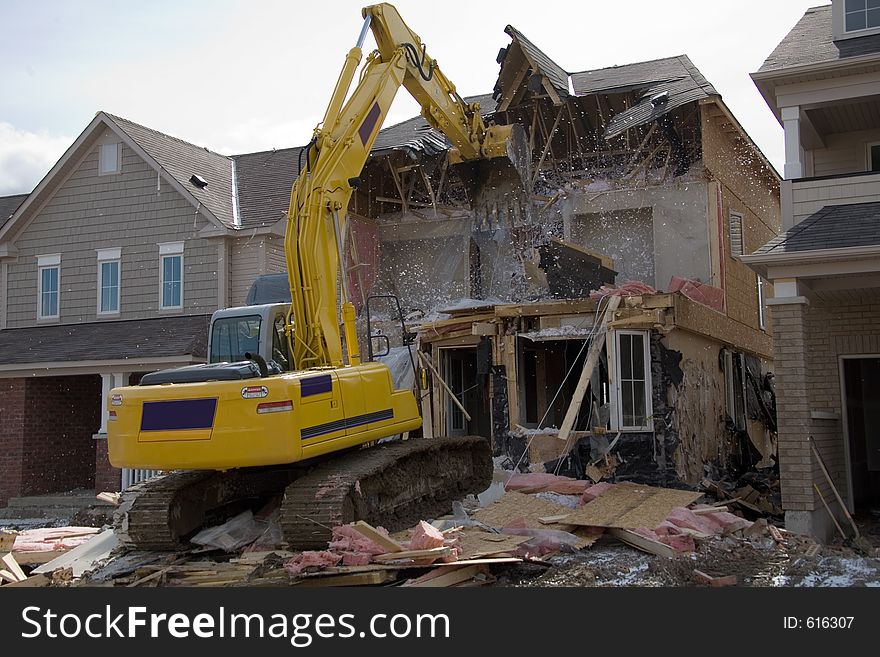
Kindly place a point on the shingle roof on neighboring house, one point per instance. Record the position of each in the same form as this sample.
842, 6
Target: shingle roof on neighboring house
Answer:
182, 160
8, 205
832, 227
264, 181
98, 341
676, 76
811, 41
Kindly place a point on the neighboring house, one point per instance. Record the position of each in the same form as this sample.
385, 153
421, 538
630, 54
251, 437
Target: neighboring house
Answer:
111, 268
823, 84
637, 170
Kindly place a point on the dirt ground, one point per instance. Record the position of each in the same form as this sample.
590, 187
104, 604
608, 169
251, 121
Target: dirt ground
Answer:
759, 563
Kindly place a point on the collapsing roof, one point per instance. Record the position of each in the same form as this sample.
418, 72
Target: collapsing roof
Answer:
663, 84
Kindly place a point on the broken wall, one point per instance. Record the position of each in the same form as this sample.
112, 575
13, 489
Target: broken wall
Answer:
678, 236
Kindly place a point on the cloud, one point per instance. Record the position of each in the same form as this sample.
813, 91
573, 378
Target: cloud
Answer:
25, 157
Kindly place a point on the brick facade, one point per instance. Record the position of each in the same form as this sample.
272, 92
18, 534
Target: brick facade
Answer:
810, 338
107, 478
46, 428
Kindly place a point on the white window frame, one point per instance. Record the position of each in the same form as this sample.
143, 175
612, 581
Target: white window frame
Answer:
44, 262
106, 256
868, 148
170, 250
615, 389
762, 303
864, 11
118, 168
734, 217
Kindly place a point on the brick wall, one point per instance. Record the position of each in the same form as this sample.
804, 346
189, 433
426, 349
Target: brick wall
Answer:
46, 428
107, 478
809, 341
12, 412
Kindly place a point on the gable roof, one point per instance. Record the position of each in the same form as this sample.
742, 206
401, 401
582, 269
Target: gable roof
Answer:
181, 160
557, 76
811, 41
8, 205
675, 76
832, 227
264, 181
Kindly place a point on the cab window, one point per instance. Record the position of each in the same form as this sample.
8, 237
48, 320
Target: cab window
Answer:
280, 351
233, 337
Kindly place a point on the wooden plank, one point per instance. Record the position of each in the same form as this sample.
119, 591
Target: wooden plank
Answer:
703, 578
834, 488
589, 365
30, 582
13, 567
630, 506
9, 577
642, 543
436, 553
369, 578
456, 576
709, 509
378, 538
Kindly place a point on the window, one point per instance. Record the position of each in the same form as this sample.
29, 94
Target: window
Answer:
280, 351
49, 280
108, 281
736, 233
233, 337
108, 159
861, 14
632, 383
874, 156
171, 271
734, 366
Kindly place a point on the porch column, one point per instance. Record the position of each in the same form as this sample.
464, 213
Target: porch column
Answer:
791, 121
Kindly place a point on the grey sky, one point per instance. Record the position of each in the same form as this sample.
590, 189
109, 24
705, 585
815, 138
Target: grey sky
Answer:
240, 76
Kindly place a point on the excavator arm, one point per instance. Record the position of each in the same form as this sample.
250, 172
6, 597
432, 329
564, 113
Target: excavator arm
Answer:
335, 158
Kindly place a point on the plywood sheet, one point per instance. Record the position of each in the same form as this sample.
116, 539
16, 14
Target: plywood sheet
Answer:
513, 506
630, 506
476, 544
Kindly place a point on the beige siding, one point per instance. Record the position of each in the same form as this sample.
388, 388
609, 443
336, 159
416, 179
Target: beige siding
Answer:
246, 262
844, 153
812, 195
275, 258
92, 212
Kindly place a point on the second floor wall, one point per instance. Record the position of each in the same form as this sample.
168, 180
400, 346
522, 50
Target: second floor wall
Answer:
134, 218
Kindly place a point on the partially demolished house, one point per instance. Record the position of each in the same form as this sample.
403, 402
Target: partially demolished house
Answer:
639, 176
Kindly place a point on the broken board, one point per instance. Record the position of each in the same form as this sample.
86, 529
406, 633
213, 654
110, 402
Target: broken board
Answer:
476, 544
631, 506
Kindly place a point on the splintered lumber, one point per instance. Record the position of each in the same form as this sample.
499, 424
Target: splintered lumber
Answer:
9, 577
83, 557
450, 577
37, 558
369, 578
365, 529
452, 395
430, 553
589, 365
642, 543
709, 509
703, 578
111, 498
13, 567
630, 506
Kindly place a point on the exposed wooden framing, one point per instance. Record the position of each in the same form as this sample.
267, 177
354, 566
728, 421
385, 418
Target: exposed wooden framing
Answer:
444, 168
589, 365
518, 78
443, 383
573, 123
509, 360
430, 189
411, 188
601, 113
396, 178
547, 146
406, 205
551, 91
533, 130
643, 143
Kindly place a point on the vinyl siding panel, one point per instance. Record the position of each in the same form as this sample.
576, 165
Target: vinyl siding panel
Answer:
276, 261
810, 196
246, 260
845, 153
126, 210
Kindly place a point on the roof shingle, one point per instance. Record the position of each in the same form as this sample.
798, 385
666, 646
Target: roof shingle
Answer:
832, 227
8, 205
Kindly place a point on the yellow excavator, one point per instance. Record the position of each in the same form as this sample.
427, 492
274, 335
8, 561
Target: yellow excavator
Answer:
284, 406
